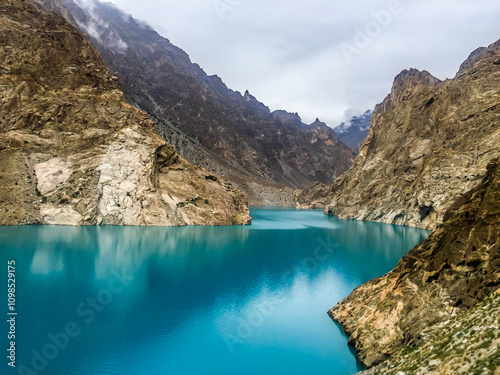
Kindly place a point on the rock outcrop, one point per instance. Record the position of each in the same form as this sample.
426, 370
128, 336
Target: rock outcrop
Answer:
72, 151
467, 344
314, 197
429, 142
437, 281
266, 155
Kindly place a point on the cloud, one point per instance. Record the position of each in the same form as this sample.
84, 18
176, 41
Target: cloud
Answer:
289, 53
98, 29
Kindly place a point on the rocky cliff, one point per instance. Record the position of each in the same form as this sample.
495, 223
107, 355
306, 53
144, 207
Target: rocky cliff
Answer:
314, 197
467, 344
433, 285
265, 154
72, 151
429, 142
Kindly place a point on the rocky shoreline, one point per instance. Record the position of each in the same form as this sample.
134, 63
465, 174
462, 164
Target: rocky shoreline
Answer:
447, 274
429, 142
445, 176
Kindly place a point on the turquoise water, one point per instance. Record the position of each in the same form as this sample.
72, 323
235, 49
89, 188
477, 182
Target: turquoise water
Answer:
193, 300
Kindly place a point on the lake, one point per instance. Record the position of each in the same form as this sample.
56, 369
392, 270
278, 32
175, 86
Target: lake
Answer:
192, 300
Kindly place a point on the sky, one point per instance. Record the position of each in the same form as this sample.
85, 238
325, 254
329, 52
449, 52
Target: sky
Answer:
329, 59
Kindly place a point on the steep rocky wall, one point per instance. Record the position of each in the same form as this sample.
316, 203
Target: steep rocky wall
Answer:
429, 142
466, 344
447, 274
314, 197
73, 152
227, 132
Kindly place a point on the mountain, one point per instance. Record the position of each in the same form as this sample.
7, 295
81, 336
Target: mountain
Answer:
466, 344
354, 131
74, 152
430, 160
429, 291
429, 142
226, 132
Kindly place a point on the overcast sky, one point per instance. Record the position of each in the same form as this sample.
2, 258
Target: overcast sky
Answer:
321, 58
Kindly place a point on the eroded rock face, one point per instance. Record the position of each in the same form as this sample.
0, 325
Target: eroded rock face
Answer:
73, 152
267, 155
429, 142
466, 344
314, 197
447, 274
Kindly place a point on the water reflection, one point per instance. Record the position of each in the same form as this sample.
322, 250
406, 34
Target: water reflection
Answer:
229, 299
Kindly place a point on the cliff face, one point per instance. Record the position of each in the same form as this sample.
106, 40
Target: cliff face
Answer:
429, 142
212, 126
72, 151
314, 197
467, 344
447, 274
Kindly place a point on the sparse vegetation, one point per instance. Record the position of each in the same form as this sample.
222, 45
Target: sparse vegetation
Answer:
467, 344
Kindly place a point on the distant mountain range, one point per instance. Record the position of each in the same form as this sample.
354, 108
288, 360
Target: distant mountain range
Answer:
354, 131
264, 154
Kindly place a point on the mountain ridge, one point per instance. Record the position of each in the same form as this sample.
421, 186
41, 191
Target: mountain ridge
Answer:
430, 160
429, 142
73, 152
201, 116
455, 268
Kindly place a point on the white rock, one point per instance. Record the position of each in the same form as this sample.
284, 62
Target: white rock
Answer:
51, 175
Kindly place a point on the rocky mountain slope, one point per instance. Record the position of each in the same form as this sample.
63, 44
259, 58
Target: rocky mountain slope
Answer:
467, 344
72, 151
429, 142
354, 131
434, 284
265, 154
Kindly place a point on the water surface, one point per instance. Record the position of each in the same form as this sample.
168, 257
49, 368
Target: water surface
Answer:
194, 300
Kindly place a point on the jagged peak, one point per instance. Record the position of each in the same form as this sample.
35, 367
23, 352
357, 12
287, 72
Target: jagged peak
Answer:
361, 122
474, 56
412, 74
319, 123
249, 98
409, 80
479, 54
284, 116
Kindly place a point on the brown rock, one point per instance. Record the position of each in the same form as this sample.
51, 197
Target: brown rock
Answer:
451, 271
72, 151
429, 142
212, 126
